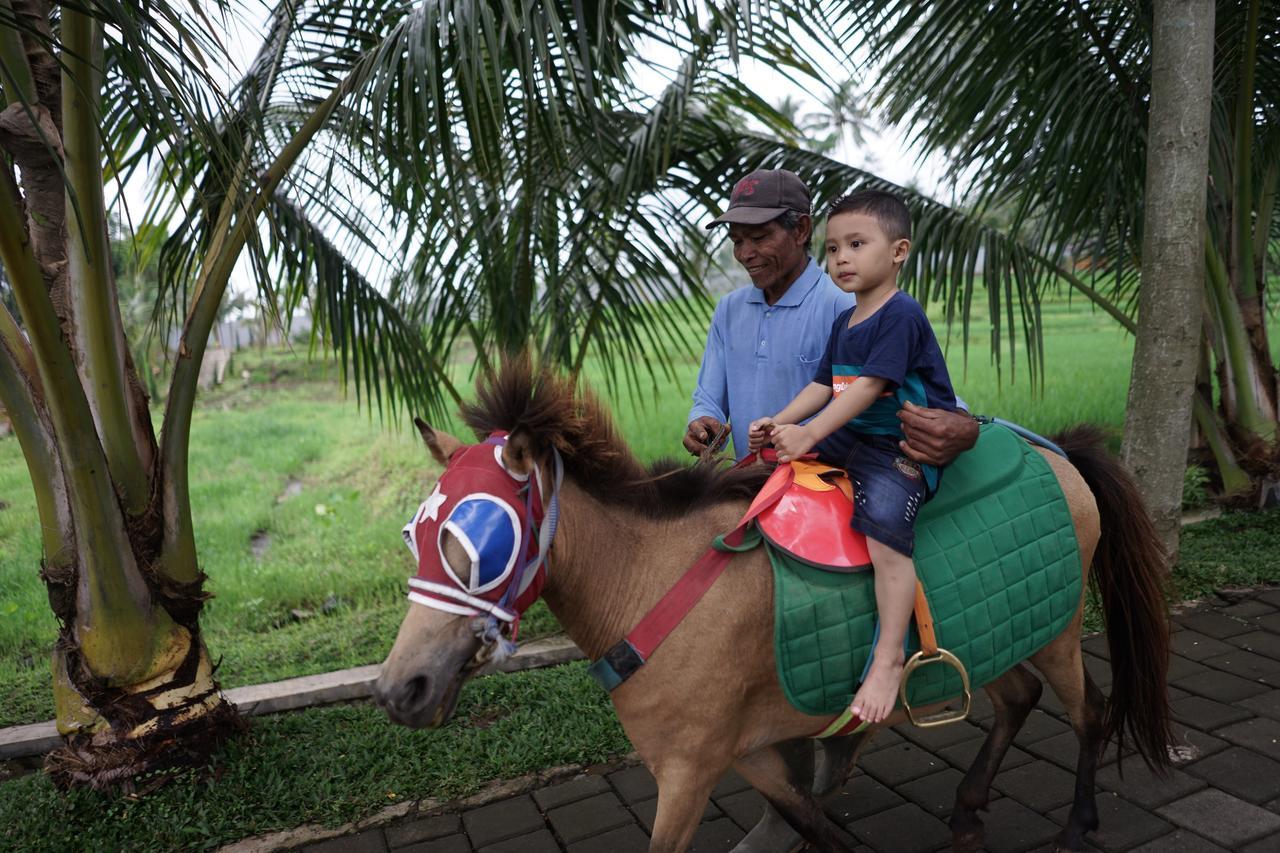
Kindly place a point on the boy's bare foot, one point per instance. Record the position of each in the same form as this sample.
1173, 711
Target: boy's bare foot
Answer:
877, 695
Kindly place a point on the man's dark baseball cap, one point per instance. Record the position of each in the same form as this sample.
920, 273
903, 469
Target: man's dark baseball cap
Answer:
763, 196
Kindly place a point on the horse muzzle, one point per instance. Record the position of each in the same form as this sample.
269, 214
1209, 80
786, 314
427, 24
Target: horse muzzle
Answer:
421, 701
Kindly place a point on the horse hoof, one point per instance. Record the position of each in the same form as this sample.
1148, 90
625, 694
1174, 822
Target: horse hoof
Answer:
970, 841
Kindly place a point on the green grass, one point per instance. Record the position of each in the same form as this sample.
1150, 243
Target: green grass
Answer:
330, 765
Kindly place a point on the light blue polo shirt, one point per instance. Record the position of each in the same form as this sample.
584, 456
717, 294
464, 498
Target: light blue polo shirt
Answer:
760, 356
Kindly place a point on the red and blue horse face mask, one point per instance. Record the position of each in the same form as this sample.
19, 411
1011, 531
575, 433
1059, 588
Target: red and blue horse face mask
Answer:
498, 519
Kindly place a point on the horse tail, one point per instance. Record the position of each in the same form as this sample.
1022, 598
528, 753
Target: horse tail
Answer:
1129, 571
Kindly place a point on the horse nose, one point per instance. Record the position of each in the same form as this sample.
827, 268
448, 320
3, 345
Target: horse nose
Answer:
405, 697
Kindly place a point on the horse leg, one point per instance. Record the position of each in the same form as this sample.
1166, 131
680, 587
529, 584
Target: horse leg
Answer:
773, 834
1063, 668
1013, 696
771, 773
683, 790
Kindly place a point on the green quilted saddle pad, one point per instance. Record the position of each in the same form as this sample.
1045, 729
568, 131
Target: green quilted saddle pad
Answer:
997, 553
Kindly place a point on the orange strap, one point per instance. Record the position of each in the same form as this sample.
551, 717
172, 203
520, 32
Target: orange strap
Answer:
924, 623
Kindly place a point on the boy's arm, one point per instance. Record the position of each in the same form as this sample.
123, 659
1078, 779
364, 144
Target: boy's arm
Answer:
814, 396
793, 441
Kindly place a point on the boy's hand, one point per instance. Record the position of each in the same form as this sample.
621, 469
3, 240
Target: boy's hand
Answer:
758, 433
792, 441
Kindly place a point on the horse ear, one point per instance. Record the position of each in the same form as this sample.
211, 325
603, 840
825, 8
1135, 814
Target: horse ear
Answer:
441, 444
518, 453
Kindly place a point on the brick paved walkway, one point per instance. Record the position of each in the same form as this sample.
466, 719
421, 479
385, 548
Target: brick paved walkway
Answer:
1223, 795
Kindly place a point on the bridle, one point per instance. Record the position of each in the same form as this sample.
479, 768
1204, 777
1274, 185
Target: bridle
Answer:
476, 502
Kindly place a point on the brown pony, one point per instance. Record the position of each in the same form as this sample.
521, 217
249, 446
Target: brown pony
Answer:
709, 699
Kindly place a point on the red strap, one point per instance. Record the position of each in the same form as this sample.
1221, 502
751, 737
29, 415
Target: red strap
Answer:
688, 591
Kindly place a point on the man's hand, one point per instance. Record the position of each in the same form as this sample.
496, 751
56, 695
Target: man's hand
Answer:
701, 430
758, 433
792, 441
935, 436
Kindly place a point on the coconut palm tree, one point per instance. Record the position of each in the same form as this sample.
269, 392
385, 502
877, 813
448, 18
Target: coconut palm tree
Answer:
1044, 108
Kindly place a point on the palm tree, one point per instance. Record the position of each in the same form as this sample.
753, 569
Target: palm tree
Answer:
1047, 110
419, 173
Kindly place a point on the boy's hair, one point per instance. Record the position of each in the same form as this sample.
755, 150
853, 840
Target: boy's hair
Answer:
886, 208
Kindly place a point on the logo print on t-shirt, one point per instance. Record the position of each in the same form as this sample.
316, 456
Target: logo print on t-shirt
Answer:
840, 384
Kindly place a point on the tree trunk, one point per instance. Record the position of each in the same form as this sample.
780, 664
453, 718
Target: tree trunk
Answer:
1158, 420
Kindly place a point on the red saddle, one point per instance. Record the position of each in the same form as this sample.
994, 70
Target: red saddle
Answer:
810, 521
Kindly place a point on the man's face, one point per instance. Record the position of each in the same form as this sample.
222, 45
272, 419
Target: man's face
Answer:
771, 255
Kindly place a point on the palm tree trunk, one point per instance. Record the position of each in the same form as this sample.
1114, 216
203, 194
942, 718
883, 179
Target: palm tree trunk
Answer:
1158, 420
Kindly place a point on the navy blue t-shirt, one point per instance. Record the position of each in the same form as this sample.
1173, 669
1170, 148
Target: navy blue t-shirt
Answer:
896, 344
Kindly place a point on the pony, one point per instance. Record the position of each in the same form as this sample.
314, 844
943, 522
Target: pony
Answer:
709, 698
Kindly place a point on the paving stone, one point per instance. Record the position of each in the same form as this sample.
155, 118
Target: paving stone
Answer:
1064, 750
1245, 664
1179, 842
1099, 669
1039, 726
980, 708
1241, 772
646, 811
1205, 713
1259, 642
934, 739
962, 754
718, 836
903, 829
423, 829
1190, 744
448, 844
502, 820
730, 783
1261, 734
1269, 844
881, 739
634, 784
1180, 668
744, 808
1197, 646
861, 797
1039, 785
569, 792
901, 763
1121, 824
588, 817
1270, 622
1221, 686
1266, 704
1143, 787
626, 839
935, 793
1248, 608
541, 841
369, 841
1271, 595
1097, 645
1214, 624
1011, 827
1221, 818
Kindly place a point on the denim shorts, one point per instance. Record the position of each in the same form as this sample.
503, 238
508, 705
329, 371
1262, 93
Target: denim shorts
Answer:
888, 488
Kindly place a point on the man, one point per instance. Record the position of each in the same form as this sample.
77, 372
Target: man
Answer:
766, 340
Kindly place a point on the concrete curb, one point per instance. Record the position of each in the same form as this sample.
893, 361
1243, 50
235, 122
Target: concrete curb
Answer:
304, 692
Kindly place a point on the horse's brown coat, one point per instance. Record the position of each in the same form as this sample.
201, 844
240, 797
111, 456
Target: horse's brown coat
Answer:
709, 699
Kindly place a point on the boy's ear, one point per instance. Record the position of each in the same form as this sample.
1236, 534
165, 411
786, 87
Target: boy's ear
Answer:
901, 248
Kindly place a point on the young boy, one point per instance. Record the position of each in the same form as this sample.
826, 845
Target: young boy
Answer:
881, 353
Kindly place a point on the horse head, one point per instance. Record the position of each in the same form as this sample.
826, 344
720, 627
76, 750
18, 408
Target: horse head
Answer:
480, 543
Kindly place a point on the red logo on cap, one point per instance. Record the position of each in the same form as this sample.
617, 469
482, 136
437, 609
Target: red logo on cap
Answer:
746, 186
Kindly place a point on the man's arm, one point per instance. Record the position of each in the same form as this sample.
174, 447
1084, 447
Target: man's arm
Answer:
709, 414
936, 436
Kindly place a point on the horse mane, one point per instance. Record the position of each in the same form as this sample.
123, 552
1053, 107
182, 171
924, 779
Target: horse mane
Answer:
548, 409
